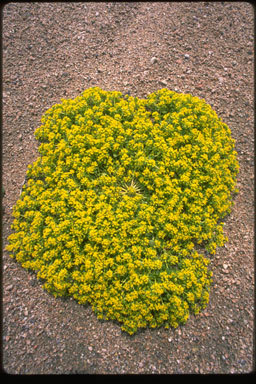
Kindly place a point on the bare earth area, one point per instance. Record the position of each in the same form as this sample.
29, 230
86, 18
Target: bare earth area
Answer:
57, 50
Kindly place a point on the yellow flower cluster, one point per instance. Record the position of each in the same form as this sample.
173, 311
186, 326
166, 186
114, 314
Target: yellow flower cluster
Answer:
123, 192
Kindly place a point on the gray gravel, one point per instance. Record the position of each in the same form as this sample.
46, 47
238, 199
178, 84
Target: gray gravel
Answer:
57, 50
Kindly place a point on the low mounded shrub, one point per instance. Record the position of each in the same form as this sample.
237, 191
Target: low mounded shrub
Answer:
124, 195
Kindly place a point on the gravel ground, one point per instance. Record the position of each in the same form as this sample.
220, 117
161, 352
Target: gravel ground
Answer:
57, 50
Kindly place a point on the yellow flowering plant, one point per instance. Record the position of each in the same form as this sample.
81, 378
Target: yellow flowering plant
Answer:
123, 196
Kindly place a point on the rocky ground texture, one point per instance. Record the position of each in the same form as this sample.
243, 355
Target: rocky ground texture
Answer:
57, 50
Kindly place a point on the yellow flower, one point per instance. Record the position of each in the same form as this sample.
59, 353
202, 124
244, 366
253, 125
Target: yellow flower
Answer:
122, 192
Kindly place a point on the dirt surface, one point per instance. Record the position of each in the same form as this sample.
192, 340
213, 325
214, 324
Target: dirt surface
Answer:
57, 50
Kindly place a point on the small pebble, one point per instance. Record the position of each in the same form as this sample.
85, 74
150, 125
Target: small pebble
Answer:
164, 82
9, 287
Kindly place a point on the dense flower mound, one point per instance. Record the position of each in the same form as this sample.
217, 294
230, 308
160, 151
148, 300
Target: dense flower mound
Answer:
124, 195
